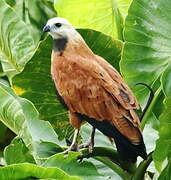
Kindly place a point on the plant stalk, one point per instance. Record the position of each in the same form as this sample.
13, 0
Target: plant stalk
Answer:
141, 170
145, 118
116, 168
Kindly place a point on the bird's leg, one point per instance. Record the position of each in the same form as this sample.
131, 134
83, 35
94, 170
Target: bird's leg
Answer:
73, 146
76, 123
90, 143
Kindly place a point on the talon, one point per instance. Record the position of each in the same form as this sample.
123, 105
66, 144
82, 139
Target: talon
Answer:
73, 147
88, 145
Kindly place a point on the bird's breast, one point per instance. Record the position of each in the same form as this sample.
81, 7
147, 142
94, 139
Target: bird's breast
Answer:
68, 77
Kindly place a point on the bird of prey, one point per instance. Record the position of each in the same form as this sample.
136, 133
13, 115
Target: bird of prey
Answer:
93, 91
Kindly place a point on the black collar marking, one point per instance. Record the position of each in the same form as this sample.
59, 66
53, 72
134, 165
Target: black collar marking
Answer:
60, 44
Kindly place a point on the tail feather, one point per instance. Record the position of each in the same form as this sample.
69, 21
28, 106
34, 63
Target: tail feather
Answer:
127, 151
130, 152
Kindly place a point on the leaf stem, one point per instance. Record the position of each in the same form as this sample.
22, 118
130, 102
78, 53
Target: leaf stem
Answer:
116, 168
145, 118
141, 170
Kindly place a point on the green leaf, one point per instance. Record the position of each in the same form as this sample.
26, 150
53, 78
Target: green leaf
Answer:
40, 89
165, 174
10, 2
105, 16
163, 147
30, 171
147, 50
146, 58
17, 152
166, 81
47, 149
70, 164
106, 172
16, 43
21, 117
34, 13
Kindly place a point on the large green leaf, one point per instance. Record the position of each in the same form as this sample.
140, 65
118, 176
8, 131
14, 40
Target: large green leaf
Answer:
21, 117
146, 58
90, 168
147, 50
29, 171
34, 13
163, 148
16, 43
163, 145
72, 166
104, 15
40, 89
21, 152
106, 172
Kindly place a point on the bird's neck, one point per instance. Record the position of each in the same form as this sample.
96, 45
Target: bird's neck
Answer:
64, 46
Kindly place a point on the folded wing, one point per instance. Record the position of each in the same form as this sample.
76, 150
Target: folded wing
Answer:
95, 89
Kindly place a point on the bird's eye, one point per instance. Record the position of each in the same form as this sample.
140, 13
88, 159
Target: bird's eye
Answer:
58, 25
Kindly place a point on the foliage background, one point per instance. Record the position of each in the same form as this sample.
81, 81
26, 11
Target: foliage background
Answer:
134, 36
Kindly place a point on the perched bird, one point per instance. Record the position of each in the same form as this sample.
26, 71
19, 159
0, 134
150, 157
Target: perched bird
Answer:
92, 90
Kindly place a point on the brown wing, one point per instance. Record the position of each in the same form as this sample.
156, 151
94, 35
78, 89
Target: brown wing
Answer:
91, 87
125, 97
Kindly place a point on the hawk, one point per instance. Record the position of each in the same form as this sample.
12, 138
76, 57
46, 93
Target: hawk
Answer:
93, 91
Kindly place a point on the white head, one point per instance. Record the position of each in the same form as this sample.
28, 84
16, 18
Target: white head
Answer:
60, 28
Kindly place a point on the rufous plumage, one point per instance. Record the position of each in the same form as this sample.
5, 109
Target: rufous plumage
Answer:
93, 90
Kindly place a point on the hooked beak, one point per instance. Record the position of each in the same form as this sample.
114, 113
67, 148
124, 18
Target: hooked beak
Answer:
46, 29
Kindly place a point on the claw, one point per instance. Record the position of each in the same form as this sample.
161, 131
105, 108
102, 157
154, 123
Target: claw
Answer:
73, 147
88, 145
